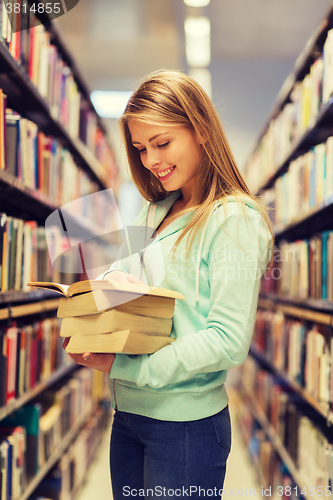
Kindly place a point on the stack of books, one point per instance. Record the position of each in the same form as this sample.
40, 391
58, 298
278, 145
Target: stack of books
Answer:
114, 317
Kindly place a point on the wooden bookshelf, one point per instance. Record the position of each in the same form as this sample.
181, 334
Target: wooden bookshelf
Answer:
28, 309
23, 96
14, 405
300, 228
19, 201
301, 68
299, 308
13, 297
321, 408
27, 204
280, 147
316, 134
63, 445
58, 40
261, 418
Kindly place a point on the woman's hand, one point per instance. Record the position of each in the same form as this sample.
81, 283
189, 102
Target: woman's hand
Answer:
100, 361
122, 276
97, 361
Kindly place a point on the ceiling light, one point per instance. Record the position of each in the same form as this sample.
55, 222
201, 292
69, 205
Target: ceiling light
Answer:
110, 103
204, 78
197, 41
196, 3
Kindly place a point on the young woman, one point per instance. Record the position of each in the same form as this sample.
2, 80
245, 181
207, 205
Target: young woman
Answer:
171, 432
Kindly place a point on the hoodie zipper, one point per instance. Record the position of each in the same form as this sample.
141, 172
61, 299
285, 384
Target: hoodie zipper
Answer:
142, 253
114, 394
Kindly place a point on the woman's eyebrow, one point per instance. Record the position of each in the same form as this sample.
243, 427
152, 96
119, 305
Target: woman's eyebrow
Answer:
152, 138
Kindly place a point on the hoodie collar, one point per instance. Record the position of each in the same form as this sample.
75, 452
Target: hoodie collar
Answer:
163, 207
157, 212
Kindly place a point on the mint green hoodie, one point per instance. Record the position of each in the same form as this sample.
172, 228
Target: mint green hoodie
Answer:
213, 326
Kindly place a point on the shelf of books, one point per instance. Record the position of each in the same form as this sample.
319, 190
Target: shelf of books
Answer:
53, 150
41, 82
291, 454
58, 223
289, 372
45, 431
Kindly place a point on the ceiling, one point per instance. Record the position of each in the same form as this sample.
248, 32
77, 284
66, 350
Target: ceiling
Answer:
254, 45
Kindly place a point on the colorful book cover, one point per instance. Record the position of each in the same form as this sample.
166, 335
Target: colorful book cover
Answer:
324, 241
28, 417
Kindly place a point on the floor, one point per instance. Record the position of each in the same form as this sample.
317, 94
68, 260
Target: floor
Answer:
240, 478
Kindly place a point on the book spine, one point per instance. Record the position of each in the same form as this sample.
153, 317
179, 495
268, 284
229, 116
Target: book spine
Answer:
301, 351
305, 270
283, 431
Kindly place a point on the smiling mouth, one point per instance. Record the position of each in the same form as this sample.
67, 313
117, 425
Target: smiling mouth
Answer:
165, 172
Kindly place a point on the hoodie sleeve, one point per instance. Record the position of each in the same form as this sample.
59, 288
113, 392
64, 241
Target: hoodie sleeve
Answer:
238, 258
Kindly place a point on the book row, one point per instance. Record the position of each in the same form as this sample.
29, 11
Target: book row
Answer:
43, 164
306, 185
23, 252
272, 474
302, 269
30, 436
296, 117
32, 48
29, 252
305, 441
64, 479
301, 350
29, 354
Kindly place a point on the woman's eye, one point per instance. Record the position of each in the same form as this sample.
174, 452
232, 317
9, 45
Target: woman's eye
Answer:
141, 150
164, 145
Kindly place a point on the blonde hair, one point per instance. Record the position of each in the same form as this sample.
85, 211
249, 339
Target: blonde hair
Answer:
171, 96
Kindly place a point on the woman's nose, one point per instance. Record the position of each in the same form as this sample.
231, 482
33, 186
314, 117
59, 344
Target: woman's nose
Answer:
153, 159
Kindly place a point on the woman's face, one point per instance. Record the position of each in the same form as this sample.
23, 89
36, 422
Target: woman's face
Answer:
173, 153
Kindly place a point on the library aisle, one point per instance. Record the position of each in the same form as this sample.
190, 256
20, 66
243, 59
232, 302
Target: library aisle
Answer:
239, 478
66, 199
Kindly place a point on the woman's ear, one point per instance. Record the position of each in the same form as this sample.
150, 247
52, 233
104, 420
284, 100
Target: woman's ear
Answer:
202, 138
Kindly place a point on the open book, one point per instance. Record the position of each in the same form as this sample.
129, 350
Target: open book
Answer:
102, 300
120, 286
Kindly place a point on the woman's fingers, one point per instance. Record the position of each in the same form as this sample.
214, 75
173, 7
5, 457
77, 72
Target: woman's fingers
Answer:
122, 276
133, 279
96, 361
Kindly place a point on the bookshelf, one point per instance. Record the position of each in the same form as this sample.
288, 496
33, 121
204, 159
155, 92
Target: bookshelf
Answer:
68, 134
291, 169
63, 445
14, 405
287, 447
260, 416
25, 99
321, 408
318, 131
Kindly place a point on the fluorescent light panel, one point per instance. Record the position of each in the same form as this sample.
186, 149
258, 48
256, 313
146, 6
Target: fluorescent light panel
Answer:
196, 3
204, 78
197, 41
110, 103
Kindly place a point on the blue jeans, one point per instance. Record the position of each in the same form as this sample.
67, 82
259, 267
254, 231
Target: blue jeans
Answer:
162, 459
